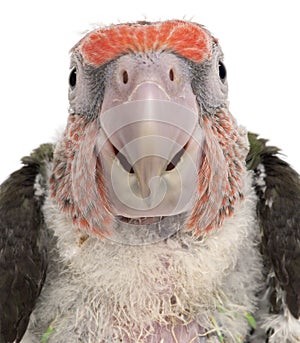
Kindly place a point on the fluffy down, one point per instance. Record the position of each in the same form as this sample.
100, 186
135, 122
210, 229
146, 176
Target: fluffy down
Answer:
181, 281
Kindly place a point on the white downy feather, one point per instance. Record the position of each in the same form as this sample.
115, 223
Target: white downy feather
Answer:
99, 290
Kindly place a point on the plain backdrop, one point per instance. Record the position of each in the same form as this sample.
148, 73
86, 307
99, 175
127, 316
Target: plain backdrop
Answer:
260, 40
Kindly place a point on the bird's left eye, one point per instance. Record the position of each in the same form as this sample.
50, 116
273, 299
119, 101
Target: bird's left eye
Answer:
222, 71
72, 78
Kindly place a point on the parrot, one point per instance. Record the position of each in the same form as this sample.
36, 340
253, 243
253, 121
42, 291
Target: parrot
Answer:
154, 217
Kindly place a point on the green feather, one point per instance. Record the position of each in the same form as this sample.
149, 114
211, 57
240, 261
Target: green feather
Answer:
257, 148
251, 320
47, 334
39, 156
218, 330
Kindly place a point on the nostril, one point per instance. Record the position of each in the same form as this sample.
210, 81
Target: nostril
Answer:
171, 74
125, 77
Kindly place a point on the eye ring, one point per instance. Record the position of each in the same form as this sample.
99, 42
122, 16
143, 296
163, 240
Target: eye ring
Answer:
222, 71
73, 78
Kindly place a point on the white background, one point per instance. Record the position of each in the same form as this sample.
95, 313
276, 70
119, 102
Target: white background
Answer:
260, 39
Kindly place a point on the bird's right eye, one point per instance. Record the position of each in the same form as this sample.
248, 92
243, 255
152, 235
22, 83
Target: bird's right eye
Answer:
72, 78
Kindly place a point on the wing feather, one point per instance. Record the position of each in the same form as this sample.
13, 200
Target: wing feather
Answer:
278, 188
23, 248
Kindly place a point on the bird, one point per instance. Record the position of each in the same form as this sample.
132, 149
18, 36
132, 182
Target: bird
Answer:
154, 216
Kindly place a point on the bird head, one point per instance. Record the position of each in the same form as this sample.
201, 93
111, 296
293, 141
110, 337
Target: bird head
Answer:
150, 146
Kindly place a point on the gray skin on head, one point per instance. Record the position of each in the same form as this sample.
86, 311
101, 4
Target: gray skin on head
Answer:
208, 83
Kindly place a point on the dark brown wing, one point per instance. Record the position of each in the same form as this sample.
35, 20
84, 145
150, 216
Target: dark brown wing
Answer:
23, 245
278, 188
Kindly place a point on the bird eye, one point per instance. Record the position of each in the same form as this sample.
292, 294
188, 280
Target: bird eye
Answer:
222, 71
72, 78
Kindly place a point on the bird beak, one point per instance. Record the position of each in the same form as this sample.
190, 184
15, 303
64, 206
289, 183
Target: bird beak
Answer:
149, 153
